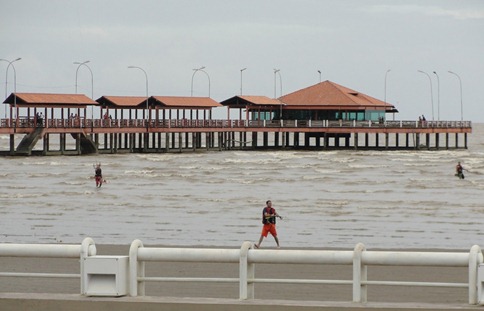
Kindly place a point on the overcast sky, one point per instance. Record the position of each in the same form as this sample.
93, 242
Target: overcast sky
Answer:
353, 43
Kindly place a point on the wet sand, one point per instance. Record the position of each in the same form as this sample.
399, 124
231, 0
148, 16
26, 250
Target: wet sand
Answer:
274, 292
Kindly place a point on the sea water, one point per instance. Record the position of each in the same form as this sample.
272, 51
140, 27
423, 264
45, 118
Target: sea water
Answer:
384, 199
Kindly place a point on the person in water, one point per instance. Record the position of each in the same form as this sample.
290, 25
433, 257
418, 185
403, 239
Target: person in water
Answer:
269, 215
98, 175
459, 171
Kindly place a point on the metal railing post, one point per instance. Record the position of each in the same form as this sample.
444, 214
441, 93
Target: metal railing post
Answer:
360, 274
136, 269
246, 273
475, 258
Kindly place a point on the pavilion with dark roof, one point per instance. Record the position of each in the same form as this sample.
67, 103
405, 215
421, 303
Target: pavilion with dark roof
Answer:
255, 107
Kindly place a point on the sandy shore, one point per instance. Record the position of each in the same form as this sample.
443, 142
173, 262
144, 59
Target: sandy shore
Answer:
303, 292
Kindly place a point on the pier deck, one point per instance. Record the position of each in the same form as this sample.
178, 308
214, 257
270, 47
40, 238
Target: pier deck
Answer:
85, 136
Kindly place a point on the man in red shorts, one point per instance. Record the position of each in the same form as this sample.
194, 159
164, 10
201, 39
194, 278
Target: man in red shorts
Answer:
269, 215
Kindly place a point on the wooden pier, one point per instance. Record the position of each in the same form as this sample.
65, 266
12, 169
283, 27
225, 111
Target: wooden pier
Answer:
111, 136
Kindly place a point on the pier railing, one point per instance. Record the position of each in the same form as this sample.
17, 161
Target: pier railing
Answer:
186, 123
358, 260
247, 257
84, 250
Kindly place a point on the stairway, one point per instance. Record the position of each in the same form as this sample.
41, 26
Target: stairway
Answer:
87, 145
28, 142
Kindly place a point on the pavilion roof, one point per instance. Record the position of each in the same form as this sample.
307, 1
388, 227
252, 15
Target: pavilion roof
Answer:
122, 101
330, 95
249, 100
185, 102
49, 100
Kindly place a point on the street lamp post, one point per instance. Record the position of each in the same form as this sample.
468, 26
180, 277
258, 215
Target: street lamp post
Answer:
277, 71
461, 105
92, 82
241, 70
385, 92
92, 77
438, 96
146, 77
431, 94
193, 75
386, 73
319, 71
10, 63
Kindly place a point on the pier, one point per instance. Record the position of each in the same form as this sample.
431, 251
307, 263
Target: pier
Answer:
325, 116
86, 136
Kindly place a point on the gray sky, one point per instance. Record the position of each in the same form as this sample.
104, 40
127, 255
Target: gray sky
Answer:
352, 43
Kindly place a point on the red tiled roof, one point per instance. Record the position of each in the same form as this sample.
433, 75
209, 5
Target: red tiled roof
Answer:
49, 100
247, 100
328, 94
186, 102
122, 101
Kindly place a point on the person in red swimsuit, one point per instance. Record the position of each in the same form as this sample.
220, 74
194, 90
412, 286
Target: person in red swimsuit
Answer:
98, 175
269, 215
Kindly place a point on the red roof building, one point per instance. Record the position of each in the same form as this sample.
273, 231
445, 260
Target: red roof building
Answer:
330, 101
45, 100
323, 101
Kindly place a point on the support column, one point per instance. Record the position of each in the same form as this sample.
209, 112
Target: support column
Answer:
167, 142
307, 140
265, 136
131, 142
46, 144
96, 141
62, 143
193, 137
12, 144
78, 144
111, 143
208, 141
356, 141
254, 139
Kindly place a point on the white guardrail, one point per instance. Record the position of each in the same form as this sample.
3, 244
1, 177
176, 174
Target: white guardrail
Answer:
86, 249
133, 274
